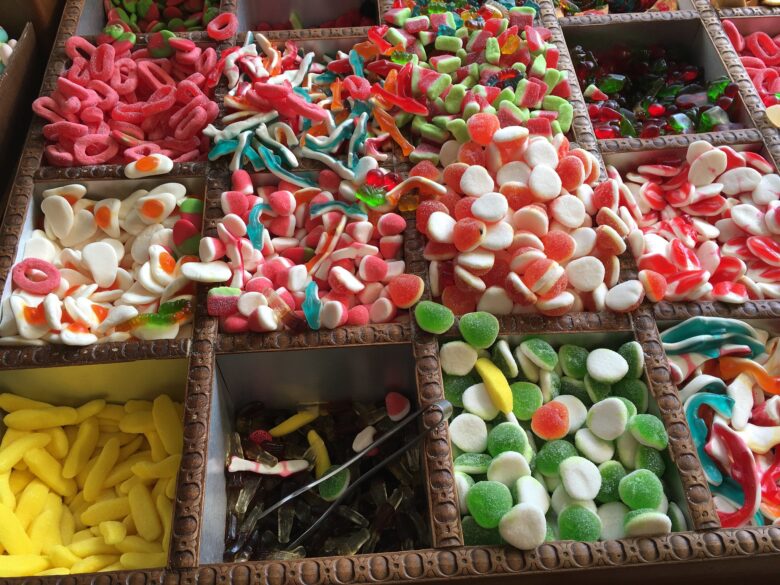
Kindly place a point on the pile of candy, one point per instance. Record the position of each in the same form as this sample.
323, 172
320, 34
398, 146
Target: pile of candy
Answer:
357, 17
149, 16
272, 454
534, 458
515, 231
760, 55
116, 105
652, 92
303, 258
6, 48
710, 228
106, 269
728, 374
87, 489
586, 7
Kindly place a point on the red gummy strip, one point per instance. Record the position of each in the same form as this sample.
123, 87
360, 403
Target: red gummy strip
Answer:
101, 64
223, 26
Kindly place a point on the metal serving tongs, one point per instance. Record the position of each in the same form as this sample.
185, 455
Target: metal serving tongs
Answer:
442, 407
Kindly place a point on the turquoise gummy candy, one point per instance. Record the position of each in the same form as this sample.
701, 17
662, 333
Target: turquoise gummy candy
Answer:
597, 391
576, 388
472, 463
488, 501
573, 359
479, 329
311, 306
526, 399
641, 489
648, 430
333, 487
633, 390
475, 535
633, 354
254, 228
649, 458
455, 386
433, 317
506, 437
611, 474
721, 404
503, 358
552, 454
540, 353
578, 523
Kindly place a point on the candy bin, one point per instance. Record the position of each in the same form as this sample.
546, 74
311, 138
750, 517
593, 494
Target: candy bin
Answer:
291, 15
91, 457
147, 17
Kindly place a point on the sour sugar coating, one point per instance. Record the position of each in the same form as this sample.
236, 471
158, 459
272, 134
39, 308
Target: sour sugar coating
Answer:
475, 535
608, 419
641, 489
607, 366
552, 454
648, 430
526, 399
506, 437
612, 472
433, 317
488, 501
469, 433
479, 329
540, 353
524, 526
472, 463
573, 360
579, 523
581, 478
635, 358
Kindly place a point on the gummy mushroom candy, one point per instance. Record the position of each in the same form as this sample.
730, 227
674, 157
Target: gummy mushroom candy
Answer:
709, 228
87, 489
107, 269
526, 226
275, 453
554, 444
294, 258
649, 92
728, 375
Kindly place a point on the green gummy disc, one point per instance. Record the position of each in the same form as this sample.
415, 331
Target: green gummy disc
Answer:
596, 390
633, 390
506, 437
433, 317
479, 329
630, 406
648, 430
455, 386
475, 535
573, 360
333, 487
576, 388
503, 358
488, 501
647, 522
649, 458
578, 523
552, 454
641, 489
472, 463
540, 353
633, 354
550, 383
526, 398
611, 474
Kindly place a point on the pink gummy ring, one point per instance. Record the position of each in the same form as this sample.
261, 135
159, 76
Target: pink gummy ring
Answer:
36, 287
223, 26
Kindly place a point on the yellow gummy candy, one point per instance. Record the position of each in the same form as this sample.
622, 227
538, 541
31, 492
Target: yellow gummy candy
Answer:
85, 534
495, 384
97, 475
90, 409
62, 556
99, 512
67, 526
19, 480
130, 527
142, 507
170, 489
81, 478
45, 529
124, 470
295, 422
82, 448
131, 448
49, 471
136, 544
168, 467
31, 502
58, 446
137, 406
165, 511
13, 453
12, 403
321, 457
113, 532
143, 560
12, 535
7, 496
123, 438
159, 488
29, 419
136, 422
111, 412
10, 436
22, 565
93, 563
158, 449
168, 424
54, 571
93, 545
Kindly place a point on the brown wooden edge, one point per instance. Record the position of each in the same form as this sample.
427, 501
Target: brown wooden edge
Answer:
655, 16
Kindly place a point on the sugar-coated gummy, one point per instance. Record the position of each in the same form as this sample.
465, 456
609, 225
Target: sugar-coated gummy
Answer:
626, 446
540, 353
463, 483
611, 474
649, 458
613, 517
573, 360
503, 358
641, 489
529, 370
581, 478
506, 437
552, 454
633, 390
630, 407
646, 522
524, 526
455, 386
605, 365
433, 317
488, 501
457, 358
477, 400
526, 399
594, 448
507, 467
635, 358
648, 430
550, 383
579, 523
479, 329
333, 487
472, 463
469, 432
475, 535
679, 523
576, 388
597, 391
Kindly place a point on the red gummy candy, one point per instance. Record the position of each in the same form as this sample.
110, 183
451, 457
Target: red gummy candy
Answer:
550, 421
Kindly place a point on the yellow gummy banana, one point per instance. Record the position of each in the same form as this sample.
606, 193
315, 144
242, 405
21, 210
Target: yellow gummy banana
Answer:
93, 563
54, 571
62, 556
321, 457
158, 449
12, 535
136, 422
19, 480
22, 565
170, 489
168, 467
49, 471
124, 470
165, 511
112, 412
7, 496
58, 446
29, 419
144, 512
168, 424
67, 526
90, 409
31, 502
82, 448
45, 529
91, 546
113, 532
114, 509
131, 448
136, 544
13, 453
295, 422
97, 475
12, 403
495, 384
137, 406
143, 560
